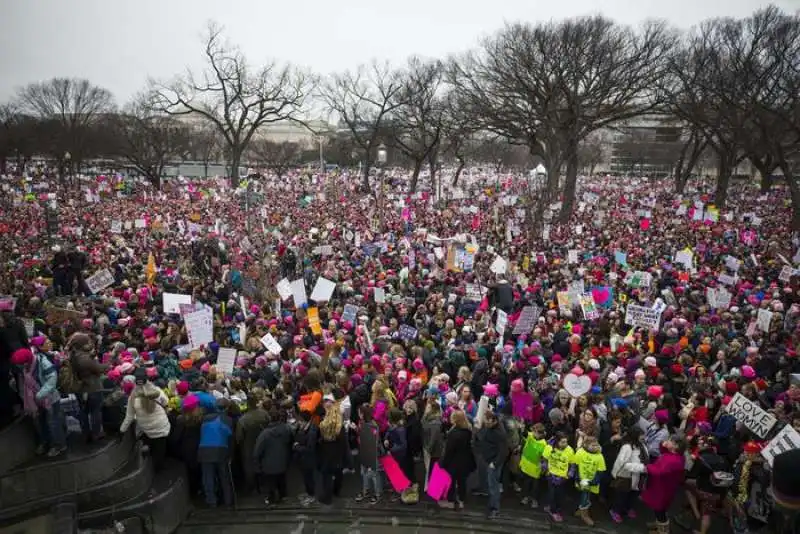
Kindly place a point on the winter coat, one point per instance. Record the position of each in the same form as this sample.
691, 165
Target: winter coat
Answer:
370, 447
398, 443
153, 424
664, 478
248, 430
273, 449
305, 445
458, 459
216, 437
492, 444
331, 454
88, 370
186, 439
433, 437
414, 435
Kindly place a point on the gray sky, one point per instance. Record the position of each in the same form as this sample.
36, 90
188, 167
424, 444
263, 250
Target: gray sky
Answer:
118, 44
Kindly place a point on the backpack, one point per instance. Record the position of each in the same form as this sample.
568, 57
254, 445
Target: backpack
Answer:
68, 382
720, 477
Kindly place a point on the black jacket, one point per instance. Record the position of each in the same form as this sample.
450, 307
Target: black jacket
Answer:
492, 444
458, 459
331, 454
273, 446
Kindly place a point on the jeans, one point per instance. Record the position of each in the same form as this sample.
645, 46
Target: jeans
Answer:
91, 414
50, 426
530, 487
623, 501
214, 472
585, 501
371, 478
555, 496
493, 484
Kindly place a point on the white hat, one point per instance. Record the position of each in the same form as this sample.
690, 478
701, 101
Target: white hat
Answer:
594, 364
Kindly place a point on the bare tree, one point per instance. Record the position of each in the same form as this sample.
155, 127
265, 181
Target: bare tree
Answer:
693, 143
417, 124
592, 152
205, 145
234, 97
363, 102
457, 133
70, 104
18, 136
277, 157
150, 139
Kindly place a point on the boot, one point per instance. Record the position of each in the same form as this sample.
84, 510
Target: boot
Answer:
659, 528
585, 517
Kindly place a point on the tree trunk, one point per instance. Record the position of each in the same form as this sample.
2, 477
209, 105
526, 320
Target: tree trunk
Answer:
725, 166
435, 190
767, 181
461, 164
570, 182
236, 158
794, 191
365, 175
412, 187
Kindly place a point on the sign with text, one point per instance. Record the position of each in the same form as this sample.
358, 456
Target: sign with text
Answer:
756, 420
787, 440
642, 316
99, 281
527, 320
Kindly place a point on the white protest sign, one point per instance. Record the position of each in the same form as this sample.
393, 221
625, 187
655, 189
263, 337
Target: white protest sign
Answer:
502, 321
30, 326
723, 298
642, 316
350, 312
572, 256
527, 320
140, 223
763, 320
499, 265
271, 344
787, 440
577, 385
380, 295
684, 257
323, 290
299, 292
732, 263
473, 292
99, 281
727, 279
323, 250
786, 274
284, 288
116, 227
199, 327
756, 420
226, 358
172, 302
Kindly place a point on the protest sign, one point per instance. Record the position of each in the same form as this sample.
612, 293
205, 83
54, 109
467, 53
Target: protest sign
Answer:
116, 227
323, 250
786, 440
577, 287
588, 306
299, 292
786, 274
284, 288
226, 358
407, 332
527, 320
638, 279
30, 326
502, 321
499, 265
323, 290
380, 295
727, 279
349, 314
172, 301
313, 321
8, 302
572, 256
99, 281
564, 301
756, 420
140, 223
642, 316
473, 292
199, 327
763, 320
271, 344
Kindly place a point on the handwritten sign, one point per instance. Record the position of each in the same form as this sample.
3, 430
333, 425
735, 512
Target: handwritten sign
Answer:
349, 314
271, 344
199, 327
527, 320
407, 332
323, 290
756, 420
226, 358
502, 321
99, 281
172, 302
284, 288
642, 316
787, 440
299, 292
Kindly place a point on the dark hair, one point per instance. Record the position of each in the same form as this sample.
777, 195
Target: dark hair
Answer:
395, 416
632, 435
366, 413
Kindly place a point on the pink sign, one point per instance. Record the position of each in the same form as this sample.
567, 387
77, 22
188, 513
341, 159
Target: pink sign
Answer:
439, 483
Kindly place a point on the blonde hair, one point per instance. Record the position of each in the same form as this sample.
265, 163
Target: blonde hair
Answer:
459, 419
331, 424
410, 405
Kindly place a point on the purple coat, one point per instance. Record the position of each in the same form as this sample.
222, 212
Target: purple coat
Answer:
664, 477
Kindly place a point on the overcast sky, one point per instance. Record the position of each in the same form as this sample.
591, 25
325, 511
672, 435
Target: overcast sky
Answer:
117, 44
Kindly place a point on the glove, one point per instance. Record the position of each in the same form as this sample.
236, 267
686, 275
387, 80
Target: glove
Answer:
584, 484
636, 468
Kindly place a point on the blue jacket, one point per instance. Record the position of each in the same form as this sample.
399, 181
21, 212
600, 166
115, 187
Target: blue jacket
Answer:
207, 401
216, 434
47, 377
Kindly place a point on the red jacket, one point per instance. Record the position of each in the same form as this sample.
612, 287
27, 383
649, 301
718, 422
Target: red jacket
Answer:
664, 478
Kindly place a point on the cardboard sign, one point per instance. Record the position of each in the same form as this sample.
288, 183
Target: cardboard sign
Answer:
271, 344
62, 315
226, 358
787, 440
642, 316
527, 320
588, 306
99, 281
349, 314
172, 302
577, 385
756, 420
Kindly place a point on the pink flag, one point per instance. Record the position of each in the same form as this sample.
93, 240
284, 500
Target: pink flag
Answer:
396, 477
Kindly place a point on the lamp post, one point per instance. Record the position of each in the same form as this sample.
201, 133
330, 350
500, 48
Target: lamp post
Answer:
381, 162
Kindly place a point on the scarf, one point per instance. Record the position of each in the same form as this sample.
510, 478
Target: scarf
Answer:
31, 388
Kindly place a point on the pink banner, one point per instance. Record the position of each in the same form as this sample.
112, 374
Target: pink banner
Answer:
396, 477
439, 483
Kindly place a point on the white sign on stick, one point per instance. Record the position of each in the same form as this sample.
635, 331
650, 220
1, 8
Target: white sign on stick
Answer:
284, 288
502, 321
271, 344
199, 327
299, 292
750, 414
323, 290
226, 358
642, 316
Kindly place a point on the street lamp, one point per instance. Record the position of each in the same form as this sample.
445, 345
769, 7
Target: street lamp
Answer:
381, 162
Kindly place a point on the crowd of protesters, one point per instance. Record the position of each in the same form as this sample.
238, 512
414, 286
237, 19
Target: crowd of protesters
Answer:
416, 366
